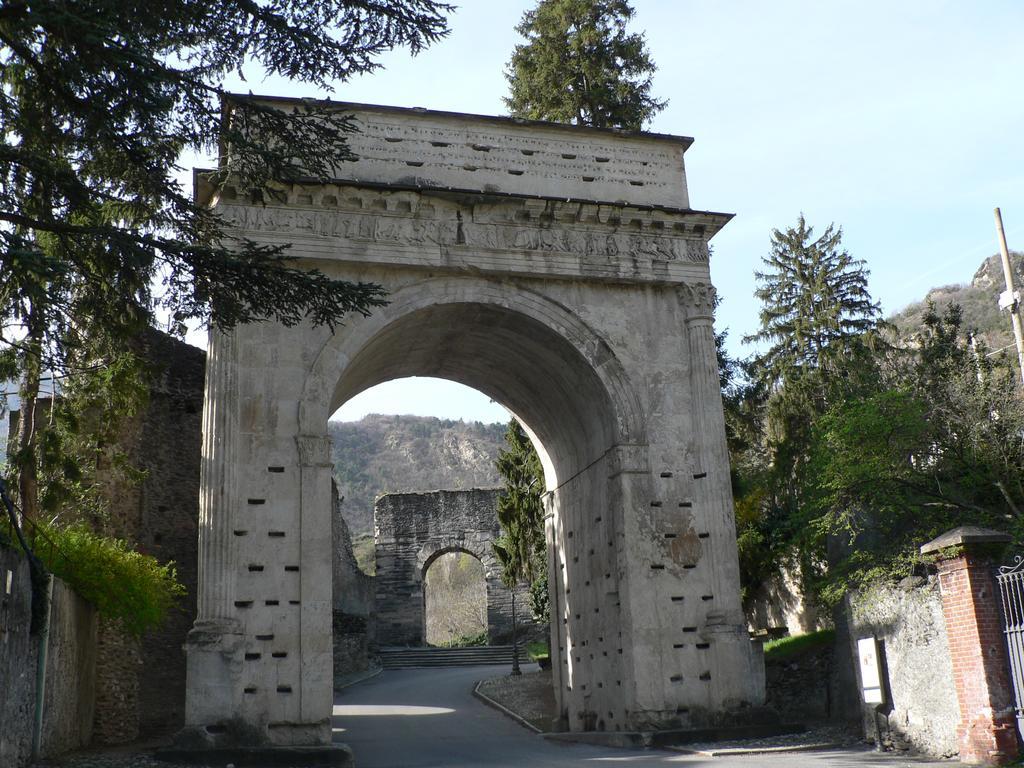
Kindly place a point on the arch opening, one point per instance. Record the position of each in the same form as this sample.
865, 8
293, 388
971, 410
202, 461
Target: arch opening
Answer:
526, 366
455, 599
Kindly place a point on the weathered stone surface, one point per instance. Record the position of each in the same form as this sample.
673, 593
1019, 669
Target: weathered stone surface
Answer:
411, 530
142, 682
430, 149
68, 702
590, 319
17, 659
909, 625
354, 615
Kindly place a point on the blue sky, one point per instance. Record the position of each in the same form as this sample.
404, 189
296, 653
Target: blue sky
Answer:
900, 121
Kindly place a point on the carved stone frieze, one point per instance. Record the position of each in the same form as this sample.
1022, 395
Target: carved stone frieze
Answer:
611, 233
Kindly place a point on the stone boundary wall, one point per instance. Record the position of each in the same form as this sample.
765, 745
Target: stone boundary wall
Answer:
907, 620
71, 667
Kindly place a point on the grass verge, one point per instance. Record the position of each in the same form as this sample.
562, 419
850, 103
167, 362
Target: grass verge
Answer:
787, 647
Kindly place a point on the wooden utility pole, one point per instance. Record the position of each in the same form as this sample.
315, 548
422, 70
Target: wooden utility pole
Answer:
1010, 299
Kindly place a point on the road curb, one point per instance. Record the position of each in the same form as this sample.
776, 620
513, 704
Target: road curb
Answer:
503, 709
731, 751
370, 674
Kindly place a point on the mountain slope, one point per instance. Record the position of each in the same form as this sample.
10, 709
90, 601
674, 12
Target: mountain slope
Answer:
389, 454
979, 301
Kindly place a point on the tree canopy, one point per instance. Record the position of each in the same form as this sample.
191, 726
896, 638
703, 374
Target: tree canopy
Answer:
814, 302
98, 102
580, 65
851, 445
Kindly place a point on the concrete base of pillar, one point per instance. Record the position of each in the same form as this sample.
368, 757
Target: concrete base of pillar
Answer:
214, 650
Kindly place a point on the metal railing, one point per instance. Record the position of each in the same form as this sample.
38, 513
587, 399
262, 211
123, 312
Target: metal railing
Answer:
1011, 591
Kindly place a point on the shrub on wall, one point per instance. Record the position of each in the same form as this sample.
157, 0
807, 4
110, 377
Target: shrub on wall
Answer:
123, 584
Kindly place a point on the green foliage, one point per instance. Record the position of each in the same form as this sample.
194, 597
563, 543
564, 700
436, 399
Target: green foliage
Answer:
521, 549
540, 598
851, 449
466, 641
580, 65
824, 341
365, 552
98, 101
537, 649
123, 584
787, 647
814, 301
937, 445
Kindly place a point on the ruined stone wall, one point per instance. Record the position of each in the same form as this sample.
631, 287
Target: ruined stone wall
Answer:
914, 652
413, 529
142, 682
70, 670
354, 622
169, 452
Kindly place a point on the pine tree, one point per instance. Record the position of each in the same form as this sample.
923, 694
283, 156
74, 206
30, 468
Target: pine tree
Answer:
98, 100
521, 548
580, 65
814, 304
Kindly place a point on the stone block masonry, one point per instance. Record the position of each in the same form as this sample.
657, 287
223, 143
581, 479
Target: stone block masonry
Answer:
558, 270
411, 530
142, 681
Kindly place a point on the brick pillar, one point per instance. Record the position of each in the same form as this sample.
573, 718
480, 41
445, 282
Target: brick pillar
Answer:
987, 733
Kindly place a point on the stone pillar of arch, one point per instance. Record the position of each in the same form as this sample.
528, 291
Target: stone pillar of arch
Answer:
559, 270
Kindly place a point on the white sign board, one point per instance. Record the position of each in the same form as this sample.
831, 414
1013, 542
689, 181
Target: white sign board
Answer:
870, 672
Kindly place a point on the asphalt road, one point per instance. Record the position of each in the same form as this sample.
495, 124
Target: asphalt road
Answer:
424, 718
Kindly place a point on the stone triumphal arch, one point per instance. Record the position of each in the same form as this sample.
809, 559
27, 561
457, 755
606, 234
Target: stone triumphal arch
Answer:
561, 271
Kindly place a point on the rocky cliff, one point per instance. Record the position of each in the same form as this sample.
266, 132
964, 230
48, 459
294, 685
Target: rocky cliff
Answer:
979, 300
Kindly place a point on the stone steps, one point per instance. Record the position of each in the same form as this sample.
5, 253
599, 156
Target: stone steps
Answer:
411, 658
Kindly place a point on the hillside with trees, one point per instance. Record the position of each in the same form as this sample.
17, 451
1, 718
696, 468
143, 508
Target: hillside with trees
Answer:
978, 300
854, 440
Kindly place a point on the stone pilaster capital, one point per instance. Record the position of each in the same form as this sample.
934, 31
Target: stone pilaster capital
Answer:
698, 299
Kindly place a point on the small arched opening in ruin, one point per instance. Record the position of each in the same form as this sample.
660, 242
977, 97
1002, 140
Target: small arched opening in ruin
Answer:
454, 599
